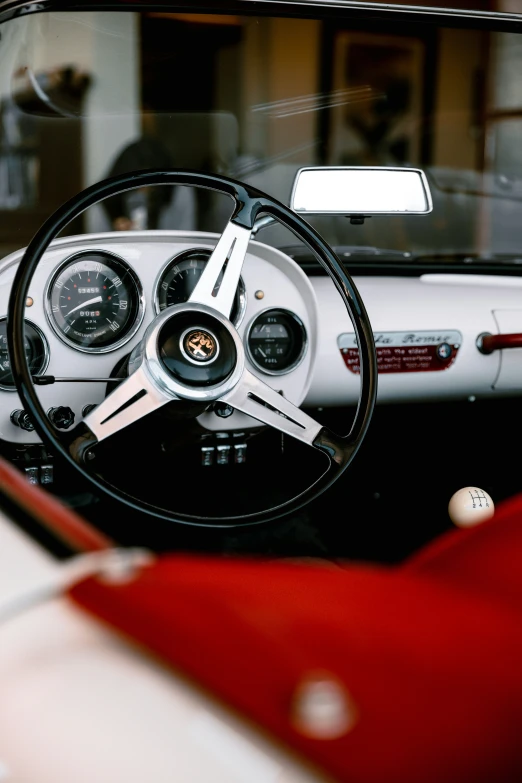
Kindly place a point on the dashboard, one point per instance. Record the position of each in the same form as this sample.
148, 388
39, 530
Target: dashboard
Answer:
93, 296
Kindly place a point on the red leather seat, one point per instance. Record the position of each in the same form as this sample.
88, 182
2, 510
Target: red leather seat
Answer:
430, 651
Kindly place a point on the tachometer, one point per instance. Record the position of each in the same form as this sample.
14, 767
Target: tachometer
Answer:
276, 341
179, 279
36, 351
94, 302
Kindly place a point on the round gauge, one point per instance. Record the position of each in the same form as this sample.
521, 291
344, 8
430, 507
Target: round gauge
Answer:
276, 341
179, 279
94, 302
36, 351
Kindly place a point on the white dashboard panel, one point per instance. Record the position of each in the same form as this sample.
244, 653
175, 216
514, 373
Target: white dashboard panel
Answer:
456, 304
437, 303
266, 269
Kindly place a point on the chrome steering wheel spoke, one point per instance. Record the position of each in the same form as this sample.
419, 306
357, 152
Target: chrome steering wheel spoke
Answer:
133, 399
262, 402
227, 259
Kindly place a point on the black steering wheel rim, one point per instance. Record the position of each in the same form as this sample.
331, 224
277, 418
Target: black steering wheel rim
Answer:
249, 203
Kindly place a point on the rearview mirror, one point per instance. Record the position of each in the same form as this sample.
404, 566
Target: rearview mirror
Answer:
361, 191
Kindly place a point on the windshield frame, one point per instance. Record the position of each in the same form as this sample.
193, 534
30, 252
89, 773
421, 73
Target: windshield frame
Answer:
497, 21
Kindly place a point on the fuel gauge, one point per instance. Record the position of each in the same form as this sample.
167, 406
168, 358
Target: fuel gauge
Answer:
276, 341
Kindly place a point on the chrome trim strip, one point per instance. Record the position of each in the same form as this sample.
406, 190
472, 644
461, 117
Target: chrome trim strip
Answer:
388, 8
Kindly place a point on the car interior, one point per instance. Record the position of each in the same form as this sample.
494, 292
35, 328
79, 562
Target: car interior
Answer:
260, 350
86, 96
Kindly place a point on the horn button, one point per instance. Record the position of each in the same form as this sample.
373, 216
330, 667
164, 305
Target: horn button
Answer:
196, 349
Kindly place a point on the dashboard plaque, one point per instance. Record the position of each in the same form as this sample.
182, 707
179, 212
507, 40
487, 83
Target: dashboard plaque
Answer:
399, 352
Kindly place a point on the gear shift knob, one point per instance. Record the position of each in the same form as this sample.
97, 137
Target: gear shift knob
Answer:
470, 506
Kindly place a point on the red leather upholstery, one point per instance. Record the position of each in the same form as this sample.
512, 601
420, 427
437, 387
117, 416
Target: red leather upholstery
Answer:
431, 652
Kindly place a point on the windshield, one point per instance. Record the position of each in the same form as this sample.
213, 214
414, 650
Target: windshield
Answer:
87, 95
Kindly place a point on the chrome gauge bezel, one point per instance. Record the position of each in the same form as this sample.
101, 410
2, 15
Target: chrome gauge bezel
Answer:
47, 353
140, 314
304, 346
241, 290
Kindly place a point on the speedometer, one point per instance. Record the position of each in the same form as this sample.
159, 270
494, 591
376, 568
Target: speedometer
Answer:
179, 278
94, 302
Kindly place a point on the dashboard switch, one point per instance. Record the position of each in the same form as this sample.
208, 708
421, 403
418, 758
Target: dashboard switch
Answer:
62, 417
22, 419
46, 474
207, 456
32, 475
240, 453
87, 409
223, 455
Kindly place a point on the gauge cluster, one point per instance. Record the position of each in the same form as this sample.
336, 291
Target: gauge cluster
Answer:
92, 298
289, 325
95, 300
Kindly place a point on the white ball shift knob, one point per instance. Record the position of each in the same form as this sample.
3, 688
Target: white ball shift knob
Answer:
470, 506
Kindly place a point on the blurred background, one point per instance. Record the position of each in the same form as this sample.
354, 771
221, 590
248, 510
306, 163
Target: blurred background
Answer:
83, 96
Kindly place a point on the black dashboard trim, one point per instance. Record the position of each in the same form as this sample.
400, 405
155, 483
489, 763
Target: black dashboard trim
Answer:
312, 268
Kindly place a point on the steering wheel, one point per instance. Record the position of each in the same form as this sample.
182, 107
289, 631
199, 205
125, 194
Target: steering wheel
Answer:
192, 352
